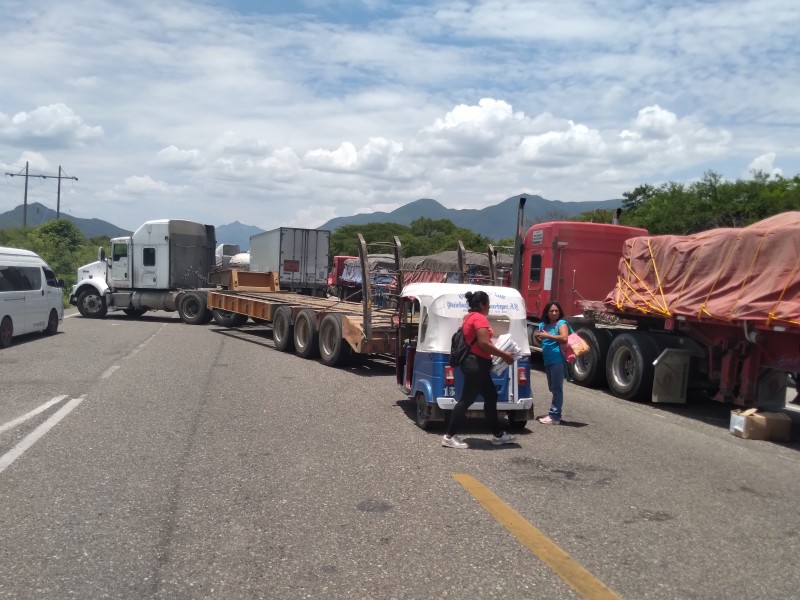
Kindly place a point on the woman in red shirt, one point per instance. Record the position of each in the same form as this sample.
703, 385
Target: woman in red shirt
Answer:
477, 372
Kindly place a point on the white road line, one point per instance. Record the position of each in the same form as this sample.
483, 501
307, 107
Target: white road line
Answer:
35, 435
109, 371
33, 413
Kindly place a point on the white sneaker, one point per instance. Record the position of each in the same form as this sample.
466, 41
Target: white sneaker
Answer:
503, 439
453, 442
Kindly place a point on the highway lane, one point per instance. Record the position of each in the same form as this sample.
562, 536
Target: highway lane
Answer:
201, 463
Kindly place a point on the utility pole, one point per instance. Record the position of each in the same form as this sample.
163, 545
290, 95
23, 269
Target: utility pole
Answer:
25, 203
58, 202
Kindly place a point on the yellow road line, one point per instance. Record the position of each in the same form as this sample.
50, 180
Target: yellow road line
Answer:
581, 580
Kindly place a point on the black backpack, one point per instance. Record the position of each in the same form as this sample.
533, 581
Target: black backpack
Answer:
459, 348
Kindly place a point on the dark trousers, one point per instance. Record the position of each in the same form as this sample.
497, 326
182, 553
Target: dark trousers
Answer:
477, 381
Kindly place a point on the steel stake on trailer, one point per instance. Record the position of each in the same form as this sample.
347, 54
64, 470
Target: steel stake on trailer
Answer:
366, 296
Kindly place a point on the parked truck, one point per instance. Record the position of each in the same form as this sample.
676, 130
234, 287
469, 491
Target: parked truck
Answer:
299, 256
166, 264
716, 313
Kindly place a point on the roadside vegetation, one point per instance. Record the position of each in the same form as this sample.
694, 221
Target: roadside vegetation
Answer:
670, 208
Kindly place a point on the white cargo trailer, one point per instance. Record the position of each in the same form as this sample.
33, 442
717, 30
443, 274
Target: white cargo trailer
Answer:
299, 256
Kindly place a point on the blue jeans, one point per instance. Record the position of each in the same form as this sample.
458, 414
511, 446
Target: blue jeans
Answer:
555, 383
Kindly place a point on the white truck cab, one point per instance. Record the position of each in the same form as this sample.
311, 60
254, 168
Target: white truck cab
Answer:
149, 270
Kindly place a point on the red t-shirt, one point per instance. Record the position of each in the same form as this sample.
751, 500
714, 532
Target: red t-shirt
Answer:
472, 322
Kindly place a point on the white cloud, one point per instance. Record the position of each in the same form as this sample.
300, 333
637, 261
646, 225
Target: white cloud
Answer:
139, 185
172, 156
765, 164
280, 117
55, 125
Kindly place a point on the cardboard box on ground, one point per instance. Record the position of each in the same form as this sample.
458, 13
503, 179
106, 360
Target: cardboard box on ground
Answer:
750, 424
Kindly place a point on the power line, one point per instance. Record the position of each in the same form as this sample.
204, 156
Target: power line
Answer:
28, 175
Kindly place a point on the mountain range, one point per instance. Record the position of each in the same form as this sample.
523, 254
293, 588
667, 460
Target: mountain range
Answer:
495, 222
39, 214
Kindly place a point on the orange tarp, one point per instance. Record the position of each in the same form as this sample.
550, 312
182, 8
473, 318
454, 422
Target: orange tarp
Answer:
748, 274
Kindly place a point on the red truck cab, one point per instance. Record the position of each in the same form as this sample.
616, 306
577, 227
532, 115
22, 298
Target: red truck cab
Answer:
570, 263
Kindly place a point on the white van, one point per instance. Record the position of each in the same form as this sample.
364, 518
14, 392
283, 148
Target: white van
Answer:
30, 295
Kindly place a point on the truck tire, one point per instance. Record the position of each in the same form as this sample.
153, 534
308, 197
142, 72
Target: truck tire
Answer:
92, 305
192, 308
423, 412
228, 319
589, 370
306, 334
333, 348
6, 332
134, 313
629, 366
52, 324
282, 329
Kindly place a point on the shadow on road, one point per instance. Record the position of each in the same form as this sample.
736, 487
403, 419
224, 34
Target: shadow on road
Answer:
700, 407
362, 366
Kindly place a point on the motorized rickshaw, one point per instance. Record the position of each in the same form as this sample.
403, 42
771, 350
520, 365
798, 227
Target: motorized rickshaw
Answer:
429, 315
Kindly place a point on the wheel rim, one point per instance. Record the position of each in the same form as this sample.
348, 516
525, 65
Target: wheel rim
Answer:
191, 307
327, 339
301, 332
583, 365
280, 327
622, 368
91, 303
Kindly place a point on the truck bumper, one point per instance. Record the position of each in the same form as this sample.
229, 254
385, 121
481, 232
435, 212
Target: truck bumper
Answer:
447, 403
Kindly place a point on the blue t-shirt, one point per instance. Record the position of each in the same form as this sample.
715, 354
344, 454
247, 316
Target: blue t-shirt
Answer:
551, 349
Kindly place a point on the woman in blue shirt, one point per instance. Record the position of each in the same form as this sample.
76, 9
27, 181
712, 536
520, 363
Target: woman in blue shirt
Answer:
553, 331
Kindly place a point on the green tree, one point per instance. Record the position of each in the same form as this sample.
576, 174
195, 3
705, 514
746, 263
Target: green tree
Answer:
711, 202
60, 243
423, 237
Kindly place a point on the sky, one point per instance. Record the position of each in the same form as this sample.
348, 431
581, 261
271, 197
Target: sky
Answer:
287, 114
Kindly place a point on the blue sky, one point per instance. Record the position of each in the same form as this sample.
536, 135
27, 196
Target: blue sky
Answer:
291, 113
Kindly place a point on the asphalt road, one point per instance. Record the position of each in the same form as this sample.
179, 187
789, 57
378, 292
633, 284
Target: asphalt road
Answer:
198, 462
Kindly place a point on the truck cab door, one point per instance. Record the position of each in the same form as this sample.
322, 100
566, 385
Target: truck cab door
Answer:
148, 277
120, 264
535, 284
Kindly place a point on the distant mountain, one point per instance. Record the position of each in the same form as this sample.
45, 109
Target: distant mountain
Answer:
237, 233
39, 214
495, 222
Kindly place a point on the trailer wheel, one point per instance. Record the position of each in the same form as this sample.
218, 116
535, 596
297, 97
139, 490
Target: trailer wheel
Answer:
306, 334
192, 308
333, 348
134, 313
6, 332
282, 329
629, 367
589, 370
228, 319
423, 412
92, 305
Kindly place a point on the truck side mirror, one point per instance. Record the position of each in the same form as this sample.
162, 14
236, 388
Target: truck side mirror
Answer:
61, 283
101, 253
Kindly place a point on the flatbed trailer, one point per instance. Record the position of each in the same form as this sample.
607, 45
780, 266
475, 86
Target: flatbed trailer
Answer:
331, 329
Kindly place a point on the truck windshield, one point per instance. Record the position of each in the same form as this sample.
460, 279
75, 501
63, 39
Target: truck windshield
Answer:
119, 251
